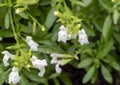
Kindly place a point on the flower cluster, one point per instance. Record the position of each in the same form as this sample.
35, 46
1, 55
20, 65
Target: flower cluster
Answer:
64, 36
33, 61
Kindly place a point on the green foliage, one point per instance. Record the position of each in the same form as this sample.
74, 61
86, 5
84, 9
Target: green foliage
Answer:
37, 18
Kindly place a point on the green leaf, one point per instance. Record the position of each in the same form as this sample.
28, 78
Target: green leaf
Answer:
65, 79
67, 9
111, 60
47, 49
115, 16
86, 2
4, 76
7, 20
6, 33
54, 75
94, 78
104, 3
84, 63
24, 80
47, 42
106, 74
89, 75
56, 82
107, 48
107, 27
53, 3
80, 3
23, 15
33, 75
50, 19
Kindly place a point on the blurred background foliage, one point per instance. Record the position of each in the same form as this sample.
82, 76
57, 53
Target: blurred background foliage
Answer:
100, 19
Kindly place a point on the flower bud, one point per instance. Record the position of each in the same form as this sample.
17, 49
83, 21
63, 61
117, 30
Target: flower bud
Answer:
19, 10
56, 13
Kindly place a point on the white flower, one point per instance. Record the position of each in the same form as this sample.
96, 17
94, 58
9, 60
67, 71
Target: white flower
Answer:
62, 34
55, 57
83, 39
39, 64
0, 38
57, 68
56, 61
32, 44
6, 57
14, 77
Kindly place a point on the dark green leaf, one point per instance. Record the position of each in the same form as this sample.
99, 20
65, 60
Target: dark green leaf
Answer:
23, 15
89, 74
84, 63
4, 76
107, 27
105, 4
33, 75
107, 48
94, 78
50, 19
47, 49
106, 74
56, 82
6, 33
65, 79
54, 75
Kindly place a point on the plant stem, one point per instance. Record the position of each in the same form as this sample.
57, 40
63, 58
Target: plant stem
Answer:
33, 19
13, 29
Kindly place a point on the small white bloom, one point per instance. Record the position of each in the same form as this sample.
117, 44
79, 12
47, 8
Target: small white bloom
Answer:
56, 61
17, 11
56, 13
32, 44
55, 57
6, 57
42, 71
62, 34
83, 39
0, 38
57, 68
14, 77
39, 64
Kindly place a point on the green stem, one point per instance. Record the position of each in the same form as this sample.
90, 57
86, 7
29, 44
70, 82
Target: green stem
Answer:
35, 20
13, 29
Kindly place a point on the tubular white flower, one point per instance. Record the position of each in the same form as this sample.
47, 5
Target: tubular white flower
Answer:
39, 64
42, 71
62, 34
83, 39
14, 77
55, 57
0, 38
6, 57
55, 60
57, 68
32, 44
